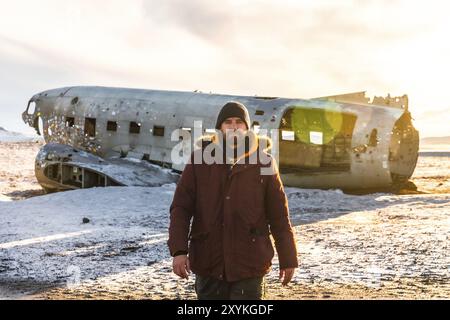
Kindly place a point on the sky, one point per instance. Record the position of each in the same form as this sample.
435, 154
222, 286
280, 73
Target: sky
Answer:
294, 49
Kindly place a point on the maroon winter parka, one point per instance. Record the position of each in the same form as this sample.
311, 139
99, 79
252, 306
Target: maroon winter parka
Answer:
234, 209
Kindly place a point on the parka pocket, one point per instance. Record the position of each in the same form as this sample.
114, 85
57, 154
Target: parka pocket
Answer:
261, 248
255, 248
199, 255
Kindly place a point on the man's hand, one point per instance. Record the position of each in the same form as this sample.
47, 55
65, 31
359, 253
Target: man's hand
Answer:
181, 266
287, 273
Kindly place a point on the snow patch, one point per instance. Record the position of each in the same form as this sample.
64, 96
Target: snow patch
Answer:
9, 136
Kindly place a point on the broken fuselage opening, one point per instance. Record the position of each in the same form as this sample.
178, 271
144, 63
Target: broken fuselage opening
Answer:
403, 149
69, 176
315, 140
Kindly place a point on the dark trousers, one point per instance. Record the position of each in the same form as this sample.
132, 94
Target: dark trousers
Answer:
208, 288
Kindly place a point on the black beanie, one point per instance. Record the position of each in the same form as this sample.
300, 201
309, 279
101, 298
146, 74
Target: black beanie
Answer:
233, 109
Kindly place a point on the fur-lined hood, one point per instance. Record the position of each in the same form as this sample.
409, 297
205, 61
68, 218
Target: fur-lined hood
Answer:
257, 142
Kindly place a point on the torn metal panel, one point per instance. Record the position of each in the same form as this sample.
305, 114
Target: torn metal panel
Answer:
63, 167
361, 98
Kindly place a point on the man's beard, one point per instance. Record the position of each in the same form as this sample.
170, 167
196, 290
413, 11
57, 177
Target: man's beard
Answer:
235, 144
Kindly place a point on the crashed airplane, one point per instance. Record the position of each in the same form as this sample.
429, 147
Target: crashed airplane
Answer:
98, 136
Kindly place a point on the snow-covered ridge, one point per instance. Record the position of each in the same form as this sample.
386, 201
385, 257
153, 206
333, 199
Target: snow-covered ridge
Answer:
10, 136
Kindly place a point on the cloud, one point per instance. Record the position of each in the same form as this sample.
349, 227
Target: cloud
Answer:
323, 43
204, 19
301, 48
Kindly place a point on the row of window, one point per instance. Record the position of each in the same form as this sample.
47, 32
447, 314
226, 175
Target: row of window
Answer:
315, 137
90, 127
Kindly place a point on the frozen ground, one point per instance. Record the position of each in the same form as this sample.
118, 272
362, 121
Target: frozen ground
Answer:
372, 246
432, 172
17, 180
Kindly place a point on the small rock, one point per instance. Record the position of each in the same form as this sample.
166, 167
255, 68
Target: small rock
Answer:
86, 220
131, 248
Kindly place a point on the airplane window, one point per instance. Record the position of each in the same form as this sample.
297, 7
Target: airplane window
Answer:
158, 131
70, 122
373, 140
40, 126
89, 127
135, 127
74, 101
31, 107
287, 135
256, 126
111, 126
316, 137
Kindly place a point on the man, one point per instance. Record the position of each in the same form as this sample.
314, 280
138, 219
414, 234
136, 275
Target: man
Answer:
234, 208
